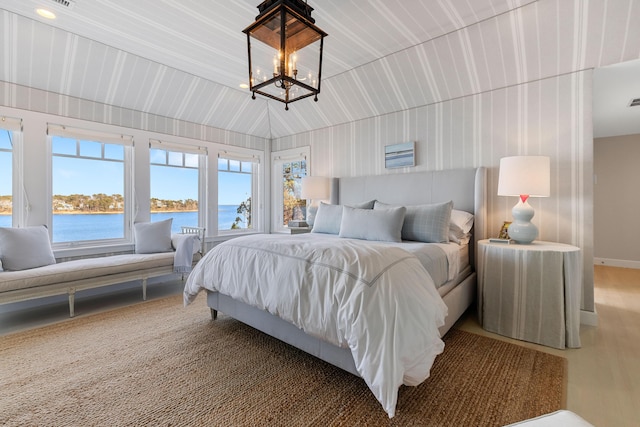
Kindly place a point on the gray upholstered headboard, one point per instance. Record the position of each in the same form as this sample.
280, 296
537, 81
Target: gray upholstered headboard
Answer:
466, 187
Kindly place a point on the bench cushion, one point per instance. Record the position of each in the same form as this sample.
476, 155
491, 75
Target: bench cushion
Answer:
70, 271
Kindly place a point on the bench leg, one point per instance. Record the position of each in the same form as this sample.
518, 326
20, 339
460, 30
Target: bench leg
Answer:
214, 314
144, 289
72, 293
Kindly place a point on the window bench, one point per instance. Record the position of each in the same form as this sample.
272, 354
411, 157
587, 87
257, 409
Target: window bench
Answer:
70, 276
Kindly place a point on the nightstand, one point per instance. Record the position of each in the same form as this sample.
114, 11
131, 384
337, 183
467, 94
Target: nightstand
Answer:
299, 230
531, 292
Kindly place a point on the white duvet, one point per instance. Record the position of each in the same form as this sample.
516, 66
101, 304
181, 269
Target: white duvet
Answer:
376, 299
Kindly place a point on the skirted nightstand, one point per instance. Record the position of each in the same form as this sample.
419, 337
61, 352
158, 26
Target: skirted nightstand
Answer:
531, 292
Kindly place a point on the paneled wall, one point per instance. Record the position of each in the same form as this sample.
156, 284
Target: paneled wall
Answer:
517, 84
30, 99
548, 117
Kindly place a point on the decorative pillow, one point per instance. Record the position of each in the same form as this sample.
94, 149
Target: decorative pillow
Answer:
152, 237
368, 224
363, 205
24, 248
327, 219
425, 223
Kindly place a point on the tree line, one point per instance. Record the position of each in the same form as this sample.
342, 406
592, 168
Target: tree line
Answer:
115, 203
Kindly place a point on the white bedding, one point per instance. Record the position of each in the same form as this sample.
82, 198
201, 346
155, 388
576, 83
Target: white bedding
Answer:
443, 261
377, 299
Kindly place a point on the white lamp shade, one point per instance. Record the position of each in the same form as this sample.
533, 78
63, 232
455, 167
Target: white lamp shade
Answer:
315, 188
524, 175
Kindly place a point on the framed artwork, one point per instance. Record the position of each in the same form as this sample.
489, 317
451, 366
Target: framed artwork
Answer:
504, 231
399, 155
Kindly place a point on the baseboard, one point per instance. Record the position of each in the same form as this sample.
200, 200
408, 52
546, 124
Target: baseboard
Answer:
617, 263
588, 318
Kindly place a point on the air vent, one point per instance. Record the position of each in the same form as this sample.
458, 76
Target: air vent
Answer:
634, 102
66, 3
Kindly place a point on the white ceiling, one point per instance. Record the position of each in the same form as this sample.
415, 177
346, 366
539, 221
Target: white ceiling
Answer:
186, 58
614, 87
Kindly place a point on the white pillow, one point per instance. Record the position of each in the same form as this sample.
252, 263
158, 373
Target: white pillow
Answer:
327, 219
425, 223
460, 227
461, 220
152, 237
368, 224
363, 205
24, 248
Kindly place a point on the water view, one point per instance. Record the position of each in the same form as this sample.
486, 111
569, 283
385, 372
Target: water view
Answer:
71, 227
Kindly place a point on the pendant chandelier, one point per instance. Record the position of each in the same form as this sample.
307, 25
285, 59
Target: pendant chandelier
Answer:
286, 64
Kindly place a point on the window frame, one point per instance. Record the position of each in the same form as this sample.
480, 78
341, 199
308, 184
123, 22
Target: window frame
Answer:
257, 188
278, 158
183, 148
55, 130
14, 126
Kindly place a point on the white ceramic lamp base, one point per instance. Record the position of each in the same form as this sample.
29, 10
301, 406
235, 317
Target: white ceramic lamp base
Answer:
521, 229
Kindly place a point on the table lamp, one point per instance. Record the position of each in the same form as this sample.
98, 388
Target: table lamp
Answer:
314, 188
524, 176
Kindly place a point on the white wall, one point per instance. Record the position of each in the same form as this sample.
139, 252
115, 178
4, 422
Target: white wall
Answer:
617, 201
517, 84
548, 117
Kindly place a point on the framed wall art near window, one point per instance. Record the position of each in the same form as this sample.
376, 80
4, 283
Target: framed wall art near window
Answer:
399, 155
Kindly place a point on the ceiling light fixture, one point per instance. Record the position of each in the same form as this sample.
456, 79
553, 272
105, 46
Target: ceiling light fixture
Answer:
287, 63
46, 13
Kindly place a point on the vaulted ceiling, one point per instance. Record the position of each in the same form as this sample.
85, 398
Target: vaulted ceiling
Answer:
185, 59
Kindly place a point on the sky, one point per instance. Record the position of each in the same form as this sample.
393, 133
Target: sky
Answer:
73, 176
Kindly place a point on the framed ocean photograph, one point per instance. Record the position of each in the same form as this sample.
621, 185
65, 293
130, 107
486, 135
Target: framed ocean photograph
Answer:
399, 155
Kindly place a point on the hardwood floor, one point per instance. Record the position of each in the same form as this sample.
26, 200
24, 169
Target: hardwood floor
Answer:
604, 375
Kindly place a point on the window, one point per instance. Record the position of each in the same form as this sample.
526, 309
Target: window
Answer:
289, 167
10, 131
175, 184
238, 192
90, 185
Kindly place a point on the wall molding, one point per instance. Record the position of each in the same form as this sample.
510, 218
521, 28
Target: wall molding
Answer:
616, 263
588, 318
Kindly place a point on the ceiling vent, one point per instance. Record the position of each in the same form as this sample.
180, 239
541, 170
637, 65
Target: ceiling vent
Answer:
66, 3
634, 102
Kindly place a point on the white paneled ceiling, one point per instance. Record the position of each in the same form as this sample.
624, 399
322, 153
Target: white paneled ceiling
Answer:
185, 59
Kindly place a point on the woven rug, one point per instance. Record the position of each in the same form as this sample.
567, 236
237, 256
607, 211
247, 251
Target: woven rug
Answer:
158, 363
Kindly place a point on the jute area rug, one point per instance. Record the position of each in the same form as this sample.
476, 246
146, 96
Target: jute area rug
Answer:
158, 363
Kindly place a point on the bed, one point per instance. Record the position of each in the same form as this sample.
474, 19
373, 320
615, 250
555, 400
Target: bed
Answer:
358, 299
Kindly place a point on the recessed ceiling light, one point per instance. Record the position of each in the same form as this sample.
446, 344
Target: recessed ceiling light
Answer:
244, 86
46, 13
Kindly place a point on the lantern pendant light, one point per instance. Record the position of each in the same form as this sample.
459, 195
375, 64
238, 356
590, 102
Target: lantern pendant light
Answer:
285, 52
